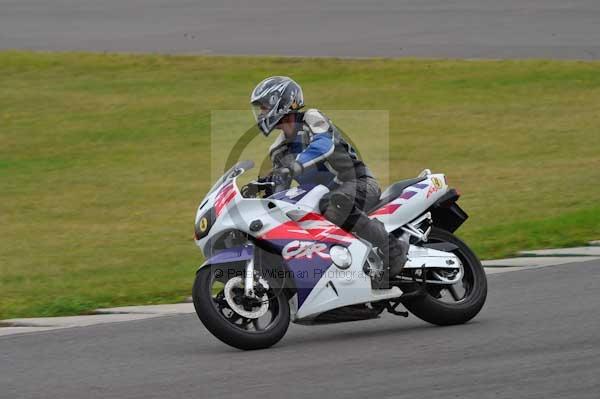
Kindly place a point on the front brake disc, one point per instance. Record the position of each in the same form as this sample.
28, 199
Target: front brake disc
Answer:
256, 312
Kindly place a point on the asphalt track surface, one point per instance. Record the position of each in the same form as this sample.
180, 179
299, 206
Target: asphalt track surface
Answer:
348, 28
537, 337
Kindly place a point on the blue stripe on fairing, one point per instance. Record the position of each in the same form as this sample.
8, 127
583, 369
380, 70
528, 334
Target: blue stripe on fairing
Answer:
307, 273
420, 185
408, 194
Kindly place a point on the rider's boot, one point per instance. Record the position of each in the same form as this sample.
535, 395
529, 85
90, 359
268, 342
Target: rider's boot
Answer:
395, 258
393, 251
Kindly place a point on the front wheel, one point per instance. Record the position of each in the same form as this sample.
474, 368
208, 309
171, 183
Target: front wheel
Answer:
237, 320
452, 304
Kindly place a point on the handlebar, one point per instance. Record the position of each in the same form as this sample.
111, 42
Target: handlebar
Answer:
251, 189
272, 184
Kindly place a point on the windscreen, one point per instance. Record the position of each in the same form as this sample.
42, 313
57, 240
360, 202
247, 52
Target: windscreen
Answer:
232, 172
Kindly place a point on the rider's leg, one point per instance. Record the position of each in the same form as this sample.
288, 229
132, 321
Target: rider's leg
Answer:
345, 209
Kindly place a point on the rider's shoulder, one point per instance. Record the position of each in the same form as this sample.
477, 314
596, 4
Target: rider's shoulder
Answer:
316, 121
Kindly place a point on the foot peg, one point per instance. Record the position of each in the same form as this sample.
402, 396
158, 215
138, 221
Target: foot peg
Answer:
391, 307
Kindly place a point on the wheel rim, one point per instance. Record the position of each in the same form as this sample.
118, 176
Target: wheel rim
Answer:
458, 292
227, 311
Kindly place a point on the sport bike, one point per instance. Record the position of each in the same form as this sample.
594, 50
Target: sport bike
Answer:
275, 259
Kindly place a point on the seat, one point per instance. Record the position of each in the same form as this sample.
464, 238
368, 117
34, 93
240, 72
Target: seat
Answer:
393, 192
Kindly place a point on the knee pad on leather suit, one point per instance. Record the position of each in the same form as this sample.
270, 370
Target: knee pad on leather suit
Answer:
340, 210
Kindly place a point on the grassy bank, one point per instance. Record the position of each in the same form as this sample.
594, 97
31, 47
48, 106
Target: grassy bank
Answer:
104, 158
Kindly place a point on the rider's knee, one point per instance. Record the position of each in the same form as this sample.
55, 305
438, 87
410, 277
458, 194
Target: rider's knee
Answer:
342, 211
341, 201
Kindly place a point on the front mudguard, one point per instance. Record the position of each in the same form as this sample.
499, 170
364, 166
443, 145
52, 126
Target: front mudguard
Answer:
230, 255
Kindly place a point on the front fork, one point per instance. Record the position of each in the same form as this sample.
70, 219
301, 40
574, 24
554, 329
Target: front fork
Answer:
249, 277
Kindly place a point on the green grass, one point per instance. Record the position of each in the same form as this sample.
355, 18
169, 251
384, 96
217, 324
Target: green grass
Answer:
104, 158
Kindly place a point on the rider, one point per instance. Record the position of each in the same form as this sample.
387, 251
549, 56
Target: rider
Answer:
311, 149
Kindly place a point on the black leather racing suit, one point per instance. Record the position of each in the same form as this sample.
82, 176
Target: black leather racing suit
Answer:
325, 157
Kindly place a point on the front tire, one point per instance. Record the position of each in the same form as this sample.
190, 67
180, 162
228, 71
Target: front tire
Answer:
230, 327
433, 306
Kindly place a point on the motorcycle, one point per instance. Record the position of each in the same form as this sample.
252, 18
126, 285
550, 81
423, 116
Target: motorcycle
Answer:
272, 260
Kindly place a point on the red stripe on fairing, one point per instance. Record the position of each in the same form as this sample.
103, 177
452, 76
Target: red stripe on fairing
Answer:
225, 196
323, 231
226, 190
312, 216
287, 231
386, 210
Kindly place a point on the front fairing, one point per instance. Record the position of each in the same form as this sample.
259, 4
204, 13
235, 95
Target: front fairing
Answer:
290, 226
221, 193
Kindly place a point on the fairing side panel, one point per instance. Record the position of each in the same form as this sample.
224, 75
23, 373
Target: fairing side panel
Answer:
337, 288
304, 245
414, 200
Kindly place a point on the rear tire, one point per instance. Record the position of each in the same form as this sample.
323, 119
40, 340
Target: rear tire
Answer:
435, 311
227, 330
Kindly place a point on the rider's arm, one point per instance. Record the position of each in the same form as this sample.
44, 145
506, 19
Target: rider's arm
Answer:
321, 145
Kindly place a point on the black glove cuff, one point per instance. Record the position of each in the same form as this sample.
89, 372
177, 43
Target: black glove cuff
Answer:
265, 179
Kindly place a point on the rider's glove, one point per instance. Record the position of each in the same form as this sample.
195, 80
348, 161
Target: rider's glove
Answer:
249, 191
252, 189
268, 188
290, 171
282, 177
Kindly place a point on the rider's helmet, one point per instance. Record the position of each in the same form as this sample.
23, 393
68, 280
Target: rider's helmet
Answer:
272, 99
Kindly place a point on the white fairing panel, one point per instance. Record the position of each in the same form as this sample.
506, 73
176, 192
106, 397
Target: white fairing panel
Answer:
428, 257
414, 200
339, 287
311, 200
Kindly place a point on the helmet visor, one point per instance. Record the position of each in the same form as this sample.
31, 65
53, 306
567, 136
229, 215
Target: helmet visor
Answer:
259, 111
266, 117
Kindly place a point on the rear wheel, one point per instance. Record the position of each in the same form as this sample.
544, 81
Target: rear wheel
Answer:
457, 303
237, 320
